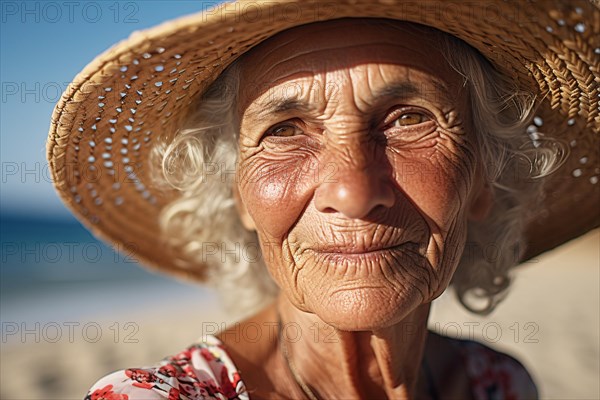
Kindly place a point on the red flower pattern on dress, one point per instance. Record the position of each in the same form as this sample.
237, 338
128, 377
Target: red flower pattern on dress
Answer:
142, 378
106, 393
208, 356
174, 394
168, 370
227, 387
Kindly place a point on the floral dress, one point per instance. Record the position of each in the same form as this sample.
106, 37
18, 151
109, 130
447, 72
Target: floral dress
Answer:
205, 371
202, 371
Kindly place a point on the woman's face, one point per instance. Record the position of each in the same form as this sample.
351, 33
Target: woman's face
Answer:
358, 168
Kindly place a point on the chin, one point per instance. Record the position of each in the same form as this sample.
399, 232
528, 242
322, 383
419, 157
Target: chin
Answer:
366, 309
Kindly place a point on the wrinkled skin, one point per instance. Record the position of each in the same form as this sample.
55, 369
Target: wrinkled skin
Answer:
358, 170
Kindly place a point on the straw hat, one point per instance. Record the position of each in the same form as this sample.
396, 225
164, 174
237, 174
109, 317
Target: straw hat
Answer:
107, 120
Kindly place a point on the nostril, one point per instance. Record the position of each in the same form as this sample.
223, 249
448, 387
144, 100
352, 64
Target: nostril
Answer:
328, 210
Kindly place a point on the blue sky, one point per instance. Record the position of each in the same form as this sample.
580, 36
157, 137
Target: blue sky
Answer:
43, 45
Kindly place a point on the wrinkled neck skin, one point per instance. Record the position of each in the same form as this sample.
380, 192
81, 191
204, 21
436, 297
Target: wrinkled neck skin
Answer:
361, 364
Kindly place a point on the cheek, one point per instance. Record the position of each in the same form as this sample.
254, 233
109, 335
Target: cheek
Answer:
275, 191
436, 180
430, 190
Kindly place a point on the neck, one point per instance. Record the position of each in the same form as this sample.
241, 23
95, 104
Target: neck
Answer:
358, 364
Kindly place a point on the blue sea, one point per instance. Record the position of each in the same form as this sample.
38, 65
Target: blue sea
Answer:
55, 270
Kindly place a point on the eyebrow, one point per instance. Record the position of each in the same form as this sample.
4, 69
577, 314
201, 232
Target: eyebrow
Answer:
403, 90
400, 90
278, 106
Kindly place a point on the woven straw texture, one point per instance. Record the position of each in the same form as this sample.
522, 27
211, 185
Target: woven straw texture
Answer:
104, 126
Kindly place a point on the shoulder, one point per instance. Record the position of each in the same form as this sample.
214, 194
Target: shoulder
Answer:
202, 371
492, 374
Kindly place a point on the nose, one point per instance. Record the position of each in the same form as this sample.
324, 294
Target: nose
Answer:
355, 192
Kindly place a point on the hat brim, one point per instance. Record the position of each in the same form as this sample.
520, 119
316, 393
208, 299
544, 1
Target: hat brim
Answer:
107, 120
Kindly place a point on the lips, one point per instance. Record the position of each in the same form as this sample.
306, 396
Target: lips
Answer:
357, 249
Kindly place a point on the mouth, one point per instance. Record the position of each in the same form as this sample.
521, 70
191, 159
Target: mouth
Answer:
364, 252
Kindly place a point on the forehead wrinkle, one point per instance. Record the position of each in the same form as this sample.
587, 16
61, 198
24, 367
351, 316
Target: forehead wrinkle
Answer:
297, 57
344, 115
394, 87
279, 100
398, 85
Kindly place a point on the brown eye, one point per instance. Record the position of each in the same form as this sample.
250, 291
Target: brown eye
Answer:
407, 119
284, 131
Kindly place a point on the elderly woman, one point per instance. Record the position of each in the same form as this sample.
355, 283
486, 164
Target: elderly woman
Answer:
348, 167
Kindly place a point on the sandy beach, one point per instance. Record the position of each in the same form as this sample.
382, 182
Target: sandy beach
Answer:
550, 321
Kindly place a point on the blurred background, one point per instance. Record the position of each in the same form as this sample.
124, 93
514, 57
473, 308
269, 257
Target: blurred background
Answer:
73, 310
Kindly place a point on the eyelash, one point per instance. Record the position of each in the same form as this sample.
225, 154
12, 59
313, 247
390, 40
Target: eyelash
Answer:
293, 124
396, 114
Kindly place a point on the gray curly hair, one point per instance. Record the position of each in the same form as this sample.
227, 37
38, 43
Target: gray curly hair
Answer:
204, 225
